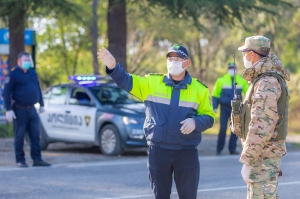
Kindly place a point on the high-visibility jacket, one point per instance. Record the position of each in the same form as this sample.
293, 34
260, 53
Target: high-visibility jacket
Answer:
223, 91
167, 104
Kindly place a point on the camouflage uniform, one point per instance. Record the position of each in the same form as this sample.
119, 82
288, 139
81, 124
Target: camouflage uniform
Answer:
263, 155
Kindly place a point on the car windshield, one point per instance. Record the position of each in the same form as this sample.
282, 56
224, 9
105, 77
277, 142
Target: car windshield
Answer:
113, 95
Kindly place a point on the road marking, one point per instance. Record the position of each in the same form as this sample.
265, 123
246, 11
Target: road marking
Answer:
201, 190
122, 162
79, 165
108, 163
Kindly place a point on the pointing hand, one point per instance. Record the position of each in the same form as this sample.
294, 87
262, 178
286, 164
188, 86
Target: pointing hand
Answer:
107, 58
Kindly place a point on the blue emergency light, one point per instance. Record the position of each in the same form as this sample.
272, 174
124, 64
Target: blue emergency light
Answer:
79, 78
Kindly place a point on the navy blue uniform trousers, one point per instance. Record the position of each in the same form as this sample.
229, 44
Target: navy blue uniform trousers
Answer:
224, 116
27, 121
162, 163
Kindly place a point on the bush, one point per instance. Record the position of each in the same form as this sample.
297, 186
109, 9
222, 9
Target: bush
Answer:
294, 115
6, 130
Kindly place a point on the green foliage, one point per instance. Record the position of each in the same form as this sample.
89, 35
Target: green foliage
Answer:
39, 7
64, 44
6, 130
152, 27
224, 12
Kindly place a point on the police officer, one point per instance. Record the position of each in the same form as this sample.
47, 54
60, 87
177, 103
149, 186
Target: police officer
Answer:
178, 109
265, 111
223, 93
22, 88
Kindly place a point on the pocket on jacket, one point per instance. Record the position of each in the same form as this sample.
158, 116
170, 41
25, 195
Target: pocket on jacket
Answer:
193, 138
154, 129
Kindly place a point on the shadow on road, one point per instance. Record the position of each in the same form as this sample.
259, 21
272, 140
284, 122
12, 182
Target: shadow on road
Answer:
90, 149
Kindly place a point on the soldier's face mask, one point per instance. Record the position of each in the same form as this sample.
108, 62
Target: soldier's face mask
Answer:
247, 63
175, 67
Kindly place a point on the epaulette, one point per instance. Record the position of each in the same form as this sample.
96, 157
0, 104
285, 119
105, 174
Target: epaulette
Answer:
201, 82
157, 74
13, 69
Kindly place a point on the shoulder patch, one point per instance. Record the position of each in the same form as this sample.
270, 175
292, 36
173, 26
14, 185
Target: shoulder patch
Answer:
13, 69
201, 82
157, 74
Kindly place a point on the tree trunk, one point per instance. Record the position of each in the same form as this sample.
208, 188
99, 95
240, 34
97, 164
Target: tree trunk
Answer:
94, 35
200, 58
117, 30
16, 36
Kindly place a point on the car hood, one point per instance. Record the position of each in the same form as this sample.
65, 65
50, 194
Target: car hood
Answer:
138, 108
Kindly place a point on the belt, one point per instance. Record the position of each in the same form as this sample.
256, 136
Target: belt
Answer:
21, 106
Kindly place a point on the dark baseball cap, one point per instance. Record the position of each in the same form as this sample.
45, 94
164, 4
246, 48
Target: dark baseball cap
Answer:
180, 50
231, 65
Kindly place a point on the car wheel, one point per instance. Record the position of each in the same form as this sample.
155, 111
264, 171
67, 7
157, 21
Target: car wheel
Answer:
43, 138
109, 140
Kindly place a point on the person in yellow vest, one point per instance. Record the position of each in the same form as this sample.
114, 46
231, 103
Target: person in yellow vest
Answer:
178, 109
265, 118
222, 94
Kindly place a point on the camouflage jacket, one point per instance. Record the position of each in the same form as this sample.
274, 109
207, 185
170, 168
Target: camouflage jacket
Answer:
267, 91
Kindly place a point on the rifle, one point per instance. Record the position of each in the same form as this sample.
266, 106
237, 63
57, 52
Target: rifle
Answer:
235, 123
235, 103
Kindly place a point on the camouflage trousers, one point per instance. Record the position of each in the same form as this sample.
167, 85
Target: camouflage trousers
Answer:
265, 175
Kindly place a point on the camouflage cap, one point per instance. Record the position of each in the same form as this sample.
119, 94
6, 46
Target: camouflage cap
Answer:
258, 44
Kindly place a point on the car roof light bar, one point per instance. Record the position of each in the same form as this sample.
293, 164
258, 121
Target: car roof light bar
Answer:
79, 78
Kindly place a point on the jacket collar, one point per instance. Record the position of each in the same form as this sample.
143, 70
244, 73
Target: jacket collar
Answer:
18, 68
182, 85
270, 63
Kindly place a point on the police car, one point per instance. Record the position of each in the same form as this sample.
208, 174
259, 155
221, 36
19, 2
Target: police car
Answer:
94, 110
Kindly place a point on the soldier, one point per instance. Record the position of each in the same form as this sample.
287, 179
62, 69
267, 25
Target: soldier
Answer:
264, 121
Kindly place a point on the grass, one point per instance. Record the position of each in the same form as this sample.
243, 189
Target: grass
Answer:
6, 130
296, 145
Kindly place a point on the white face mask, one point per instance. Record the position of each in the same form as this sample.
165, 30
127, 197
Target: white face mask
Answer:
175, 67
247, 63
231, 72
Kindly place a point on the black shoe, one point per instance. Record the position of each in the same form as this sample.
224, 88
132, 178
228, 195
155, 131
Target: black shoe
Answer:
234, 153
22, 164
40, 163
218, 153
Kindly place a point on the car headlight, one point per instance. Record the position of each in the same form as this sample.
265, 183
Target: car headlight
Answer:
128, 120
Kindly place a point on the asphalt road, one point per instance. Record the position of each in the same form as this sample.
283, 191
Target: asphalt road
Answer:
127, 177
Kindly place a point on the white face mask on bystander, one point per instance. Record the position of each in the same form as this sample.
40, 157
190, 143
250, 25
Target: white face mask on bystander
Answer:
231, 72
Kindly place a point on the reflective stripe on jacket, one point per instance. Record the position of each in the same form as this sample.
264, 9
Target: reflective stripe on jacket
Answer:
167, 104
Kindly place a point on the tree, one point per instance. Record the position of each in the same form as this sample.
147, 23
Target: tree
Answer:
225, 12
18, 12
94, 35
117, 30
